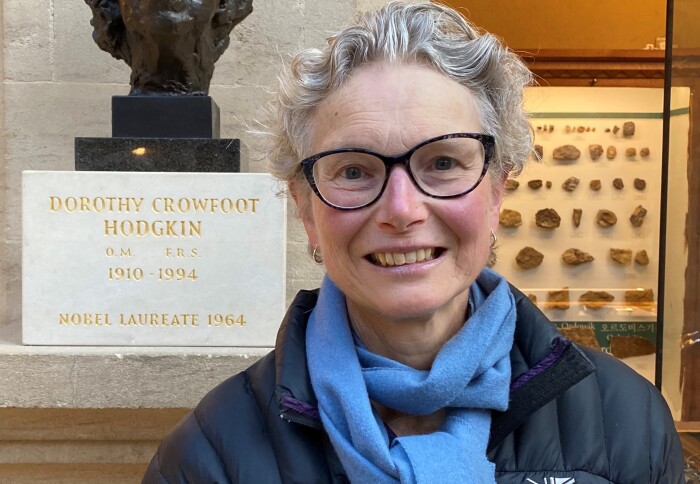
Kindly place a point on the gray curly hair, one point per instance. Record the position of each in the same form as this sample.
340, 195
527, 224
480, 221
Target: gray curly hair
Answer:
427, 34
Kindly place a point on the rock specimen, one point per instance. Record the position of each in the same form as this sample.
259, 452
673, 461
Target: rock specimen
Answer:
640, 183
582, 337
558, 299
606, 218
595, 185
611, 152
641, 258
532, 298
570, 184
580, 129
631, 152
575, 257
628, 129
535, 184
510, 218
644, 152
596, 151
621, 256
595, 299
539, 151
629, 346
607, 130
547, 218
548, 184
637, 217
529, 258
566, 153
576, 216
616, 129
640, 297
618, 183
512, 184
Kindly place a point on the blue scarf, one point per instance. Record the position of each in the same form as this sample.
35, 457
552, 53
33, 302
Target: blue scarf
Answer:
469, 377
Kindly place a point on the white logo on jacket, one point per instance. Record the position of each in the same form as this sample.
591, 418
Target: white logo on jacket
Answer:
555, 480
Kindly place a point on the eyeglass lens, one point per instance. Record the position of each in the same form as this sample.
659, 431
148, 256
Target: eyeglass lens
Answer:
442, 168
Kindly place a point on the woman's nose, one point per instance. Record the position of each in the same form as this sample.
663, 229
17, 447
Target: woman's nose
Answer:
402, 204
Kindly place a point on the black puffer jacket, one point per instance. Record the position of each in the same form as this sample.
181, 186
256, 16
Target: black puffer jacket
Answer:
575, 416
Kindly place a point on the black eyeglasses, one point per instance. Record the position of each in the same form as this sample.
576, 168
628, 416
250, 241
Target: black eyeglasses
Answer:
447, 166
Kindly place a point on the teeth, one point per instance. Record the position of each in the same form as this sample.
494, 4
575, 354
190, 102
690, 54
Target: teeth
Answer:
386, 259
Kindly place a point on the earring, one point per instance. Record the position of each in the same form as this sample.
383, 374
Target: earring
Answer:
493, 257
315, 254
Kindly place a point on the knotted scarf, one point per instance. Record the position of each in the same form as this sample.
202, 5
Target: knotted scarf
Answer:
469, 377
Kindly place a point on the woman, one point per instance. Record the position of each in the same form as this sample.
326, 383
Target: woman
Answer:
414, 363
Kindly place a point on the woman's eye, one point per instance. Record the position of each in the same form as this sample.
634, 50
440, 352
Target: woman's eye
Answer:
352, 173
443, 164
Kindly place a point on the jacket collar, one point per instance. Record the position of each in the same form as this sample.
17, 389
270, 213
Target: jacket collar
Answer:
544, 365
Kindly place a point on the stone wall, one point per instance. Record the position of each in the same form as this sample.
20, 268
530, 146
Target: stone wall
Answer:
58, 85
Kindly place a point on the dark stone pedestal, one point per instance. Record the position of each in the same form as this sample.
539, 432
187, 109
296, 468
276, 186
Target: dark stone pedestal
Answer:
165, 117
153, 154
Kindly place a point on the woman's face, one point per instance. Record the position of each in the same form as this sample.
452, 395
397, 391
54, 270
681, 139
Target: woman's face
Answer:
174, 17
390, 109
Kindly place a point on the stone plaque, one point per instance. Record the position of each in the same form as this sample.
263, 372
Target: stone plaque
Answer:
152, 259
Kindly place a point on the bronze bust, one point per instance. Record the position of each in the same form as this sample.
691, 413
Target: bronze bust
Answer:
170, 45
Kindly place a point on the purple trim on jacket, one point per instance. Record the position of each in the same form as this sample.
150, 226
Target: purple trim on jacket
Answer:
300, 407
558, 347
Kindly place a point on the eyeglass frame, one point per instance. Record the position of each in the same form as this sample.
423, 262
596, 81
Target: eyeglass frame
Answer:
486, 140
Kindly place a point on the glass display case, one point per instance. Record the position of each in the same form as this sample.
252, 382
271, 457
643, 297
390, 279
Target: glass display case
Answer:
579, 228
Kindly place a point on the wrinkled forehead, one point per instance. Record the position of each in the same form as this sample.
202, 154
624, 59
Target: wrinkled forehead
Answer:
390, 108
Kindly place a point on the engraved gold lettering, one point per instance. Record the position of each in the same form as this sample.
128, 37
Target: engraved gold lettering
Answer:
254, 202
157, 228
159, 319
84, 319
241, 205
54, 204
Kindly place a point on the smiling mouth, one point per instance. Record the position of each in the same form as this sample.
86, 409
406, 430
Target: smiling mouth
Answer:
392, 259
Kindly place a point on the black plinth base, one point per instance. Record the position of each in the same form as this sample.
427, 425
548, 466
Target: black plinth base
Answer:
149, 154
165, 117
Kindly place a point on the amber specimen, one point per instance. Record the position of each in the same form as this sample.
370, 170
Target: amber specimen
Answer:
628, 129
629, 346
606, 218
640, 183
621, 256
510, 218
596, 151
631, 152
576, 216
595, 299
547, 218
566, 153
548, 184
535, 184
644, 152
611, 152
618, 183
637, 217
575, 257
529, 258
570, 184
641, 258
583, 336
595, 185
558, 299
539, 151
512, 184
